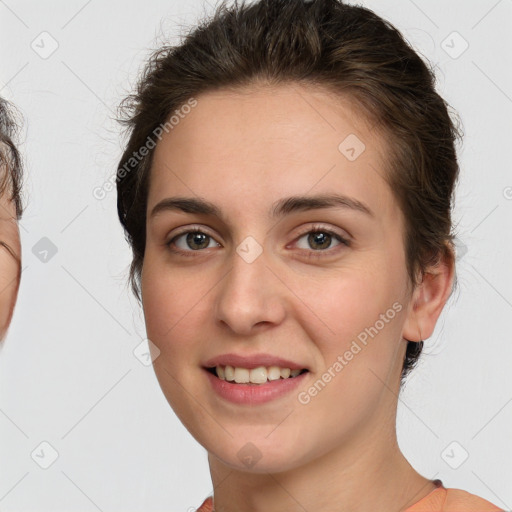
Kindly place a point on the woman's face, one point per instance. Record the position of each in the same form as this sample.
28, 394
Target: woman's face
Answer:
270, 277
10, 258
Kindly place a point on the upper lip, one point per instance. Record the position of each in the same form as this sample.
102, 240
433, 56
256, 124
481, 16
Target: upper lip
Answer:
252, 361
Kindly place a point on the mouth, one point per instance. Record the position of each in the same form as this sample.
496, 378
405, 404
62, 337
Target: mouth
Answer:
254, 376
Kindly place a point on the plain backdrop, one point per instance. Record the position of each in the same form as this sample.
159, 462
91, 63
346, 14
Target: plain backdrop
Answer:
74, 396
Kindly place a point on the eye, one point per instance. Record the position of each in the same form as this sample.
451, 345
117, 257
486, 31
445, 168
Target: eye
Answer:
194, 241
320, 239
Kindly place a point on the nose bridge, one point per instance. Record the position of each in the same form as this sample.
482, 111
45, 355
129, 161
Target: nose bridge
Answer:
249, 293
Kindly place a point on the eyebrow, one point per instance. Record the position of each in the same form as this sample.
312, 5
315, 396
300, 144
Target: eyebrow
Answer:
279, 209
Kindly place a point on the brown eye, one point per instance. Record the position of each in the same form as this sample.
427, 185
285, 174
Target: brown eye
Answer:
320, 240
194, 240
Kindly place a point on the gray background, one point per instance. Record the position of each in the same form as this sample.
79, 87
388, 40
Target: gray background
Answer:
67, 369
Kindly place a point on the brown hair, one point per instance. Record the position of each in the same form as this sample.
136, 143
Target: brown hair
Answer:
324, 43
10, 160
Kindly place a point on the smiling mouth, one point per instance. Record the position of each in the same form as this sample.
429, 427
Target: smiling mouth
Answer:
260, 375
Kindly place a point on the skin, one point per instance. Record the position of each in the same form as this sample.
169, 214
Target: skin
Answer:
10, 262
243, 150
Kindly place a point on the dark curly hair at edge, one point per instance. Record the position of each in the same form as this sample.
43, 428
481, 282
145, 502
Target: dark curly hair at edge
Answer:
344, 49
10, 159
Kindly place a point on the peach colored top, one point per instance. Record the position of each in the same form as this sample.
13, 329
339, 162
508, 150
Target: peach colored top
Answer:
439, 500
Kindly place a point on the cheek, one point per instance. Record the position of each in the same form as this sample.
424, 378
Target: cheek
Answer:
358, 315
173, 303
363, 317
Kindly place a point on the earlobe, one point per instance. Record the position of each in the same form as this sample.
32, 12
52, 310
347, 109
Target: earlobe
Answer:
429, 299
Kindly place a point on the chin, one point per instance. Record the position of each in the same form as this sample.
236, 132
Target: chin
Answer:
259, 456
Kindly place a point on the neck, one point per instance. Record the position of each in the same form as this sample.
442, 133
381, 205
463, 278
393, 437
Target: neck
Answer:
365, 474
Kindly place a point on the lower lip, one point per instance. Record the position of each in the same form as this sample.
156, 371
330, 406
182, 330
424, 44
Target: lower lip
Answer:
253, 394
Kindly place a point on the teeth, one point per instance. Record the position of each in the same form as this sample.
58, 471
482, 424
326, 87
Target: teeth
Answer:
229, 373
273, 373
258, 375
241, 375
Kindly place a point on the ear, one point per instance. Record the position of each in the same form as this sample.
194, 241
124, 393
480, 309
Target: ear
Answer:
429, 299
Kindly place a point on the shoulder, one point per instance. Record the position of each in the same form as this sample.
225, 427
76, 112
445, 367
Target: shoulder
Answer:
207, 505
458, 500
453, 500
442, 500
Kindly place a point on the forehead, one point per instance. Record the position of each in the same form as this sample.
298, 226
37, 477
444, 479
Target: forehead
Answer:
257, 143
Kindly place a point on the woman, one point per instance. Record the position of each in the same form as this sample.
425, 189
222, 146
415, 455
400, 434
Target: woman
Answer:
10, 212
287, 191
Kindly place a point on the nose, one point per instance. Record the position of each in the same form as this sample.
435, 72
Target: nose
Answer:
250, 296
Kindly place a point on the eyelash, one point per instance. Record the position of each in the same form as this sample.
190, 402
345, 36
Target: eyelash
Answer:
311, 254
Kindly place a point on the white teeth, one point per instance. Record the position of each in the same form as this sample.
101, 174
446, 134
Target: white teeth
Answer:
258, 375
285, 372
241, 375
229, 373
274, 373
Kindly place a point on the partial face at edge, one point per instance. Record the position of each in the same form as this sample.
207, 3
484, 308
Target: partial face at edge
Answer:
303, 298
10, 260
